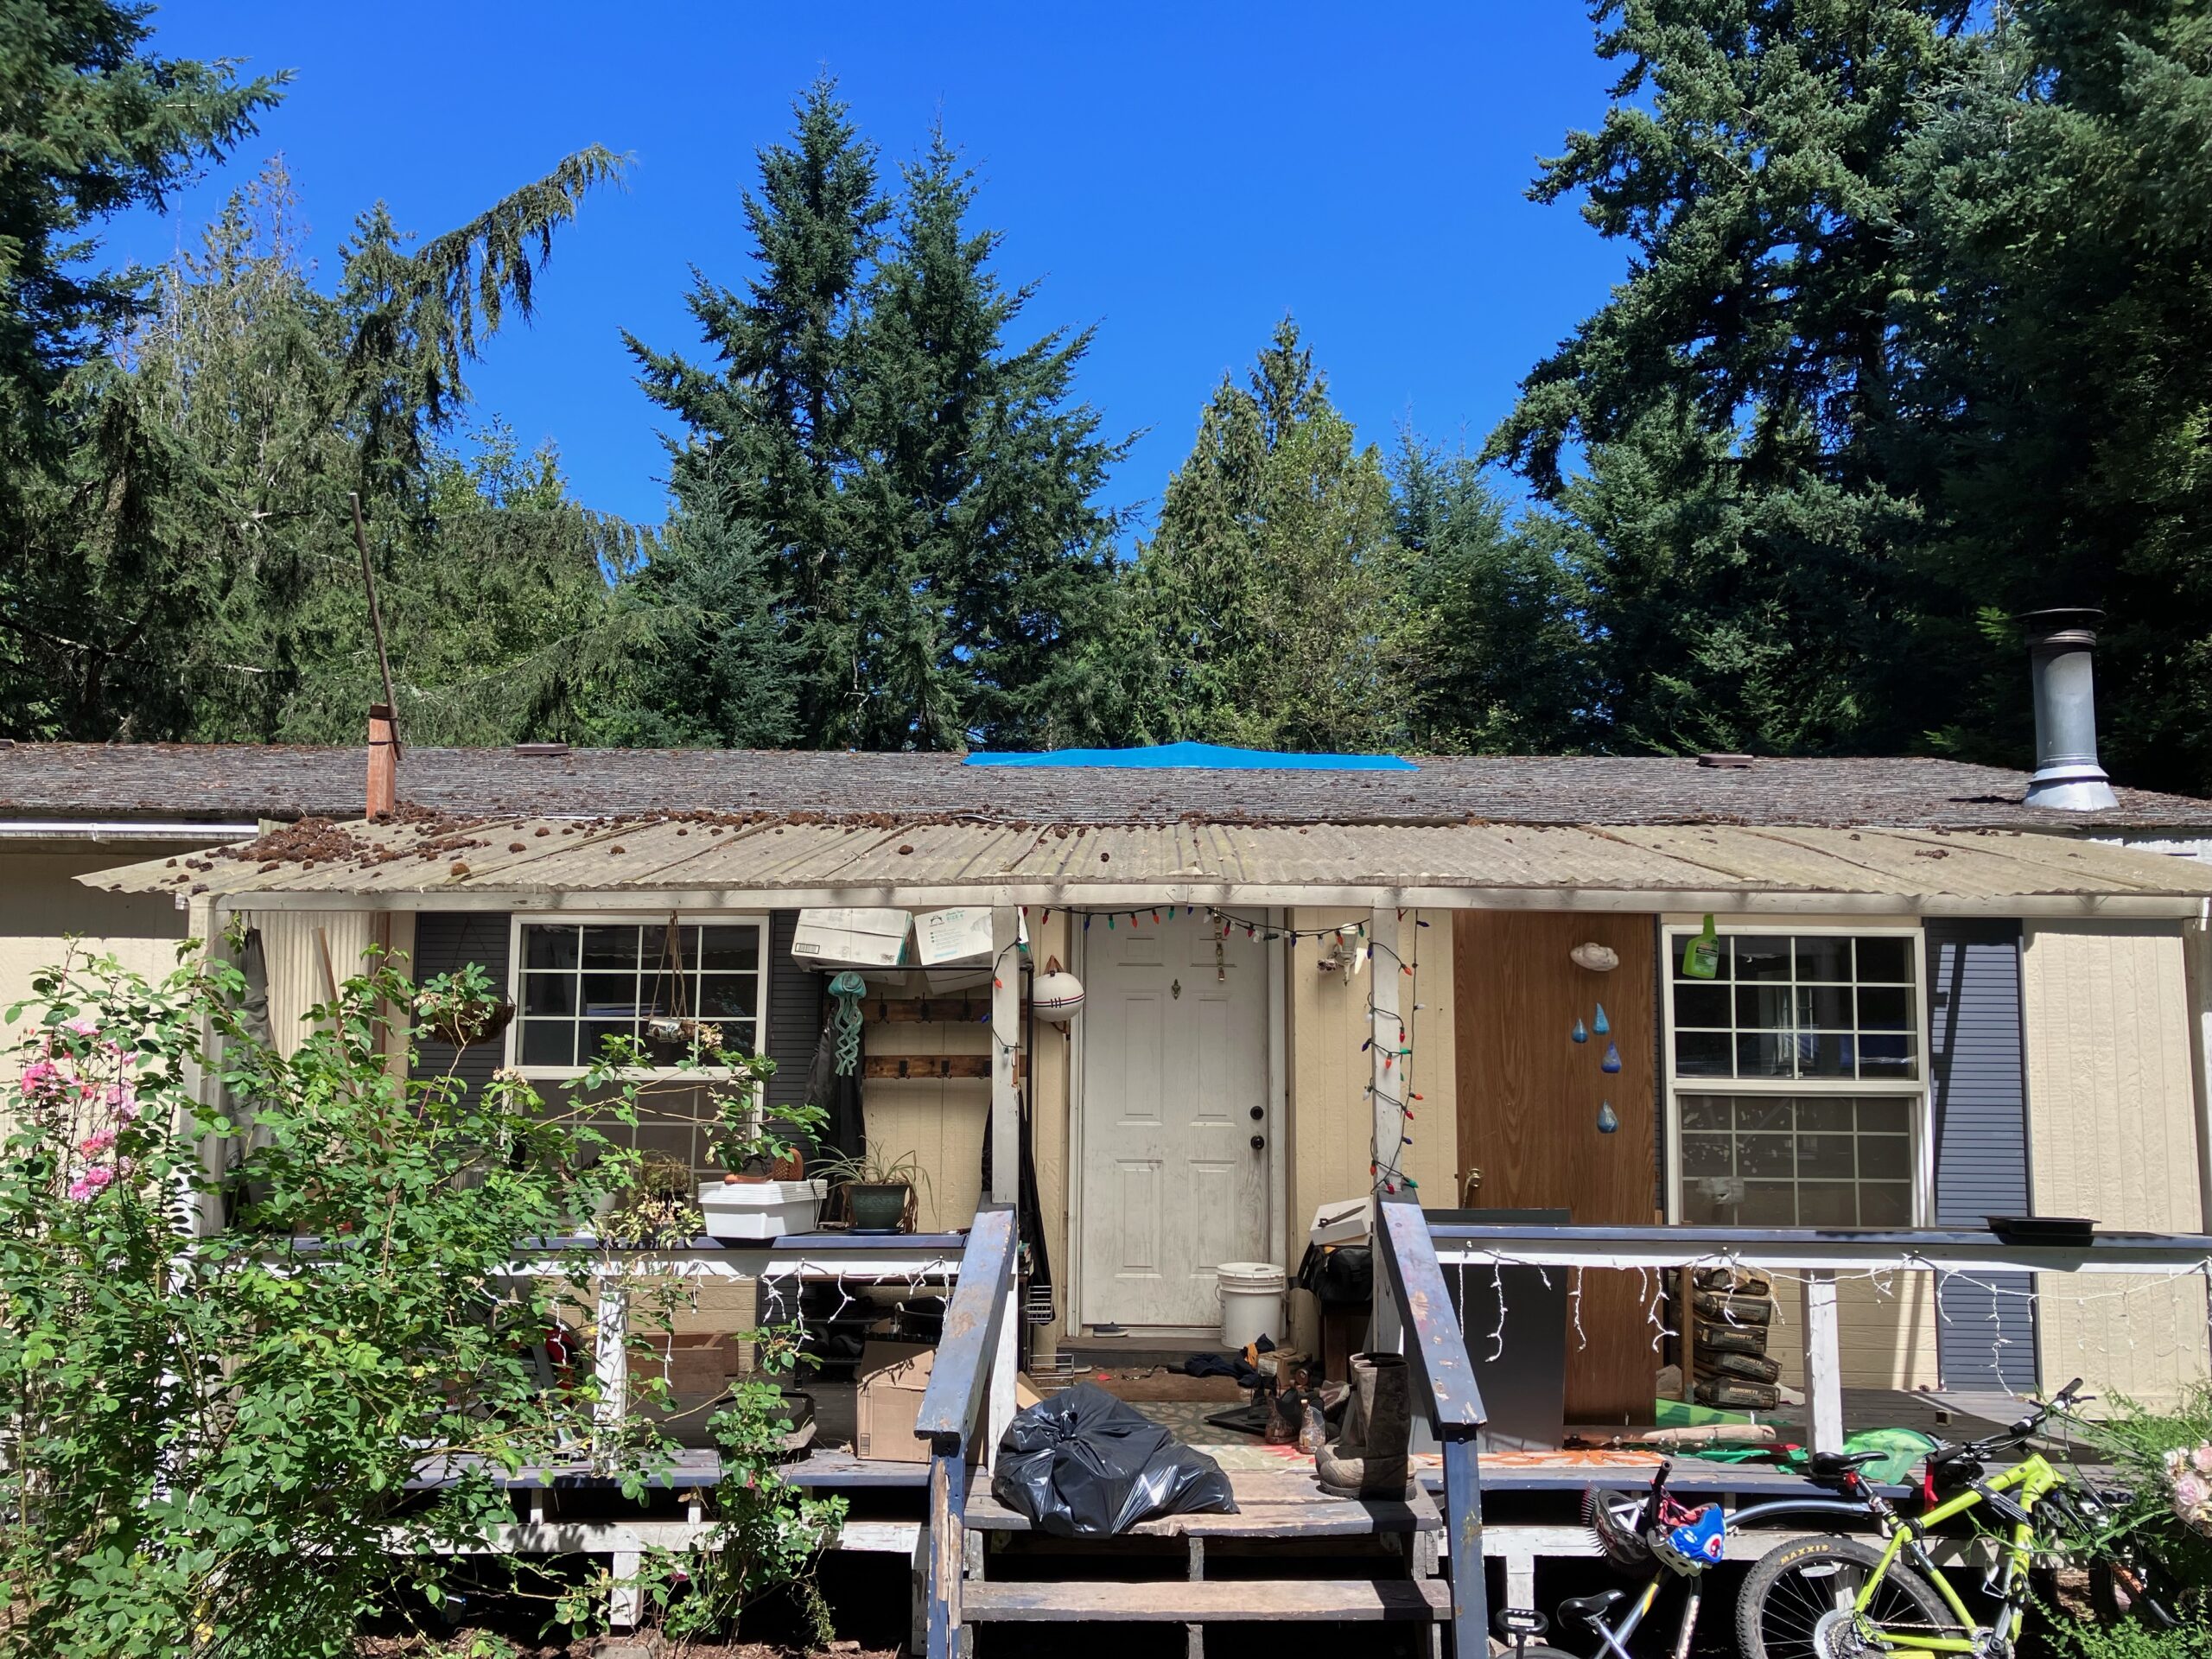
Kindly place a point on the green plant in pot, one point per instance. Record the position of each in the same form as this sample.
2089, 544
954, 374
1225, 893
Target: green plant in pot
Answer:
880, 1189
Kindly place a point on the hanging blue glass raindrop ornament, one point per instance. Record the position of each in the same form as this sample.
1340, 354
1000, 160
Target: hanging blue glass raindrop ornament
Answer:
1608, 1118
1612, 1061
1601, 1025
1579, 1033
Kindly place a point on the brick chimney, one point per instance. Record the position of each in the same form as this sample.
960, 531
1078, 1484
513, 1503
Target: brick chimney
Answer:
384, 762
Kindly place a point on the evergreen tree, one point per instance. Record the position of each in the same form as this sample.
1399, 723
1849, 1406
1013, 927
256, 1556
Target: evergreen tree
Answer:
1498, 656
192, 573
1735, 398
921, 492
1272, 589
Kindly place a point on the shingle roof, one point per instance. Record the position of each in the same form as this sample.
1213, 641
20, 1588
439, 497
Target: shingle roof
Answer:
176, 781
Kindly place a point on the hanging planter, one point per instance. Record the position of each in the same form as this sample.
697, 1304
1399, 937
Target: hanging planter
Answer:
459, 1020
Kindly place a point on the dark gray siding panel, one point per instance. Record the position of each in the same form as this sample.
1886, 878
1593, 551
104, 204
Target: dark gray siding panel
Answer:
1986, 1337
445, 941
794, 1013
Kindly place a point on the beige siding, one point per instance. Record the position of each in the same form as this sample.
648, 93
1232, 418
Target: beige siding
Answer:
301, 976
943, 1124
2112, 1134
1331, 1118
42, 904
1887, 1325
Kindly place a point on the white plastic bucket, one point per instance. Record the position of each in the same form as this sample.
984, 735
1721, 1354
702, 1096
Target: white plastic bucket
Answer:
1251, 1302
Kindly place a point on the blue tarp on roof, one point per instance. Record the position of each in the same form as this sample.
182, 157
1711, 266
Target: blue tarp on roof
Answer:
1204, 756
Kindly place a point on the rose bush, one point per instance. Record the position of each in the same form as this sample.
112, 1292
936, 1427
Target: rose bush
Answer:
236, 1334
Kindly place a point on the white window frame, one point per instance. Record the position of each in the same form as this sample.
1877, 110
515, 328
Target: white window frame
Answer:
1674, 934
520, 919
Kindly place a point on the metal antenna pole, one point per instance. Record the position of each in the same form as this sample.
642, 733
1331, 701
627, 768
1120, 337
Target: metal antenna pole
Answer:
376, 614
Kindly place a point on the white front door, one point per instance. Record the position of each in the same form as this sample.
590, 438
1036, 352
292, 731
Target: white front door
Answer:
1175, 1094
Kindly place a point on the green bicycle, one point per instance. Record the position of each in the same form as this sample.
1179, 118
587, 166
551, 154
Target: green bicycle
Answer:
1840, 1598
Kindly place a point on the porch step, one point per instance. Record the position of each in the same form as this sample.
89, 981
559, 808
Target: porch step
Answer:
1365, 1601
1285, 1502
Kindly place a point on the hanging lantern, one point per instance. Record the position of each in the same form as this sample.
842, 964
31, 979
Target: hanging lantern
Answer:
1056, 995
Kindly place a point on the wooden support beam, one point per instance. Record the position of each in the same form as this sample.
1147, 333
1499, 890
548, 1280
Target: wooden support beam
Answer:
926, 1010
1005, 1037
1462, 1526
1386, 1036
948, 1509
938, 1068
1823, 1362
610, 1367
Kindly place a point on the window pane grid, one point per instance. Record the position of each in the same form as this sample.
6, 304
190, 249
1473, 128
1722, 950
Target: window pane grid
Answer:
582, 982
1822, 1160
1794, 1008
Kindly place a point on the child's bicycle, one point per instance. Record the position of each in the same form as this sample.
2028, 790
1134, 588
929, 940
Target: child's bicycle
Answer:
1652, 1533
1837, 1598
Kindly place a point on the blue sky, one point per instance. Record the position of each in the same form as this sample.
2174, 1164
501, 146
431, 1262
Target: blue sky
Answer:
1179, 176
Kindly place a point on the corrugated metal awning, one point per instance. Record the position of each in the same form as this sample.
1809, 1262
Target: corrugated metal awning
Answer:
696, 862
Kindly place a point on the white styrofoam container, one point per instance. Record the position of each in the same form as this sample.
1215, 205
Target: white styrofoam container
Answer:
758, 1209
960, 934
845, 938
1346, 1222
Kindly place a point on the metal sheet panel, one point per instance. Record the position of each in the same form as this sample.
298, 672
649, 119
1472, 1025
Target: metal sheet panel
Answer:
1680, 867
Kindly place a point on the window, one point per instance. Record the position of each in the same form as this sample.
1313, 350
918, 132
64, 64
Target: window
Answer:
1796, 1077
1797, 1161
580, 982
1800, 1006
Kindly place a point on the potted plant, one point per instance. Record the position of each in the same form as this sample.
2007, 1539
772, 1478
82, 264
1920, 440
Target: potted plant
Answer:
749, 1201
879, 1189
458, 1009
655, 1211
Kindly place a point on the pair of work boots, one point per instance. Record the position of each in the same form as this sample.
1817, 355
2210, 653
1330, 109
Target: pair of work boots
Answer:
1368, 1457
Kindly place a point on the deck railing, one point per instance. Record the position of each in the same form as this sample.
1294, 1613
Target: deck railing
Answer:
971, 1385
1816, 1256
1446, 1393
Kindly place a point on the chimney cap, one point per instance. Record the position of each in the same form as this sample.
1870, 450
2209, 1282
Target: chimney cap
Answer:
542, 748
2069, 625
1725, 761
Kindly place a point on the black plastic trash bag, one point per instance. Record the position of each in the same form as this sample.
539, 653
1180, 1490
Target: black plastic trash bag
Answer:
1082, 1464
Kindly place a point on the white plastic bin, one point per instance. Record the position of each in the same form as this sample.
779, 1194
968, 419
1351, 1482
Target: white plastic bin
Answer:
1251, 1302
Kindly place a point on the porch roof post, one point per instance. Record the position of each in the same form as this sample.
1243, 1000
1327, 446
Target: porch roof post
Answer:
1386, 1030
1005, 1038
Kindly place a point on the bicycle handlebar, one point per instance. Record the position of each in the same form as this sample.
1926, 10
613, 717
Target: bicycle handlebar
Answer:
2065, 1400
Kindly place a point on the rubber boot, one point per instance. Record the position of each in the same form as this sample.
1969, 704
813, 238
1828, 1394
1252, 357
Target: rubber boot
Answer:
1373, 1465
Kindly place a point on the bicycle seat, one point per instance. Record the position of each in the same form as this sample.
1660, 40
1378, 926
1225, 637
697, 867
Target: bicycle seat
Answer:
1590, 1609
1837, 1463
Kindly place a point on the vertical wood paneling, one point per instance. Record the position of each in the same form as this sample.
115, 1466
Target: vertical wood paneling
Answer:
1049, 1126
1528, 1102
2112, 1135
1978, 1084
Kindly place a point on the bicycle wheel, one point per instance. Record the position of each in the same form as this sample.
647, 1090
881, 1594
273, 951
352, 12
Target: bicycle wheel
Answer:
1797, 1598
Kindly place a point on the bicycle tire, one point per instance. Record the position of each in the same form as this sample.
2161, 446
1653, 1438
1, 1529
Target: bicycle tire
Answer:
1792, 1586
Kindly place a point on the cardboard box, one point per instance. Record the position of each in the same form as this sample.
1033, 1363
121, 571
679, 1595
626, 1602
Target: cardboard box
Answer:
959, 935
1348, 1220
893, 1376
852, 938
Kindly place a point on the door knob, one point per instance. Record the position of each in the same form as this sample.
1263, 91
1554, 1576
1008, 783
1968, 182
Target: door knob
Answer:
1474, 1181
1259, 1112
1259, 1142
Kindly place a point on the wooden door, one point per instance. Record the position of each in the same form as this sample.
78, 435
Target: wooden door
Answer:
1175, 1093
1530, 1104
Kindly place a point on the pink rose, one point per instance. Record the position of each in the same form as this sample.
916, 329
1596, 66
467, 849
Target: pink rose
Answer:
2200, 1458
83, 1025
2189, 1494
92, 1183
41, 1080
123, 1100
97, 1142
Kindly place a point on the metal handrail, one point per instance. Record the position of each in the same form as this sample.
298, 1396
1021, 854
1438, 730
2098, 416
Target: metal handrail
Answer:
1436, 1352
960, 1380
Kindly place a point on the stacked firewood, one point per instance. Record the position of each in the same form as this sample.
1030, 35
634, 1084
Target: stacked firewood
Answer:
1732, 1310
